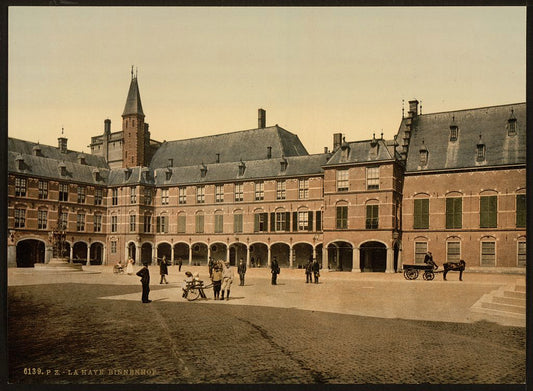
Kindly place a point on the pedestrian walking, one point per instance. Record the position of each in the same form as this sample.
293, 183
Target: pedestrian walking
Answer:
179, 264
144, 273
163, 270
216, 278
309, 271
316, 270
227, 279
274, 269
241, 269
129, 266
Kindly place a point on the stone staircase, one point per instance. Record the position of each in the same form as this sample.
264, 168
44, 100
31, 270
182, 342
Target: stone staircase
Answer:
505, 306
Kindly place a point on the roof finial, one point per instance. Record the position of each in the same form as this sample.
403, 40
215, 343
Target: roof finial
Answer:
136, 70
132, 71
62, 130
420, 107
403, 108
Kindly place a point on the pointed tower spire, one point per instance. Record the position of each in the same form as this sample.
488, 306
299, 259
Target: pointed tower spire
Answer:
133, 101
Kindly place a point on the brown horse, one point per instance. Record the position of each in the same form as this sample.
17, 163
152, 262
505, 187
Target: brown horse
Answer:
454, 266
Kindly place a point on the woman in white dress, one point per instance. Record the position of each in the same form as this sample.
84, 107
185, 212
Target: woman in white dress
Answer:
129, 267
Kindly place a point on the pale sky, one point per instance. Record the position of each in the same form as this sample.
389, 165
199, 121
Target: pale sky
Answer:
203, 71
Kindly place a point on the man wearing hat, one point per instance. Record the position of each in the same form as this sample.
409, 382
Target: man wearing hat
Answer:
227, 279
144, 273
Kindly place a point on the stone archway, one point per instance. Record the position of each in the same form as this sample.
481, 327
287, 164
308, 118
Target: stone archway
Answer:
258, 255
218, 251
281, 251
164, 250
236, 252
199, 254
340, 256
132, 251
181, 251
30, 252
146, 253
301, 252
79, 253
96, 253
373, 257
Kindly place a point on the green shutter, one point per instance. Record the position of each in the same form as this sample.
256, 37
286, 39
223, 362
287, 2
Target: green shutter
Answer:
488, 212
319, 220
421, 214
458, 210
521, 211
310, 222
454, 213
272, 222
295, 221
256, 222
287, 221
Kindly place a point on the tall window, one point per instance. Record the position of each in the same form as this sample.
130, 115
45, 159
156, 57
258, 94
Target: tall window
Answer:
372, 216
219, 223
133, 195
81, 194
488, 212
80, 222
114, 196
42, 219
199, 223
454, 213
147, 223
43, 190
453, 251
372, 178
282, 221
148, 196
421, 214
342, 217
421, 248
182, 220
259, 191
132, 223
303, 189
98, 196
164, 196
239, 192
20, 187
63, 192
237, 222
114, 247
97, 223
182, 196
63, 220
303, 221
219, 193
488, 254
114, 223
261, 222
200, 194
522, 254
162, 224
280, 192
342, 180
521, 211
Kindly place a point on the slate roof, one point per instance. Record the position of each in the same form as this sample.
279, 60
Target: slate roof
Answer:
133, 101
246, 145
254, 169
432, 132
365, 151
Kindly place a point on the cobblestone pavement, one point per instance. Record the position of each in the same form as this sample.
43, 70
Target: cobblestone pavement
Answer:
92, 328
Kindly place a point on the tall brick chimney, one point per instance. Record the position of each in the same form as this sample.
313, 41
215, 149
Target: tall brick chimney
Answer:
337, 141
62, 144
261, 118
413, 108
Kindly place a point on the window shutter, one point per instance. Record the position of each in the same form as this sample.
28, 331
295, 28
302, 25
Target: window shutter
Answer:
520, 211
272, 222
287, 221
295, 221
458, 220
319, 220
493, 212
310, 217
256, 222
449, 213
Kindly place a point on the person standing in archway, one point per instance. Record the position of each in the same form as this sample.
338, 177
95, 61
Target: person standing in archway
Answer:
129, 266
241, 269
274, 269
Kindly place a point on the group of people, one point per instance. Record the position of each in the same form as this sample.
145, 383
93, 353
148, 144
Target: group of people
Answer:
312, 269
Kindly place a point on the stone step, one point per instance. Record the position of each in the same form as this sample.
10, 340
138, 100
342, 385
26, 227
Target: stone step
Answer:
514, 294
505, 319
510, 301
504, 307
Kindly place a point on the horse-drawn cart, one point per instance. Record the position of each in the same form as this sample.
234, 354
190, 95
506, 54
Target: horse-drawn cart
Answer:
411, 272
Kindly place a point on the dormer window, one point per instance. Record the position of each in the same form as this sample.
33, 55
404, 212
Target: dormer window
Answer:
168, 174
423, 157
127, 173
242, 168
81, 159
203, 170
19, 161
511, 124
283, 164
96, 175
62, 169
481, 150
454, 130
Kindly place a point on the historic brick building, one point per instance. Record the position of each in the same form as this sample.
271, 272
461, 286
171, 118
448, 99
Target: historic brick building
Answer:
451, 183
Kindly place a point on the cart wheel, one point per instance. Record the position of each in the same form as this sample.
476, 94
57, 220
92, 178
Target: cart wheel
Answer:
410, 274
192, 294
429, 275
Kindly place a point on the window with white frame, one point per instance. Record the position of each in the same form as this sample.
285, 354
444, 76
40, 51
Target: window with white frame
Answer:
113, 247
147, 223
522, 254
200, 194
133, 195
488, 254
421, 248
182, 195
114, 196
162, 224
63, 192
281, 221
80, 222
281, 190
81, 194
133, 224
219, 193
372, 178
147, 196
164, 196
97, 225
98, 196
239, 192
303, 189
43, 190
63, 220
259, 191
42, 219
303, 221
453, 251
20, 187
342, 180
114, 223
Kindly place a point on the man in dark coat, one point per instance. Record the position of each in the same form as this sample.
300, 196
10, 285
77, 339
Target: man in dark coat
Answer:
241, 269
274, 269
316, 270
309, 271
163, 270
179, 264
144, 273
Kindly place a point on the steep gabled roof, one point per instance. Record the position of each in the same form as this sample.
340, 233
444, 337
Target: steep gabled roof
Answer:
432, 132
366, 151
231, 147
133, 101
